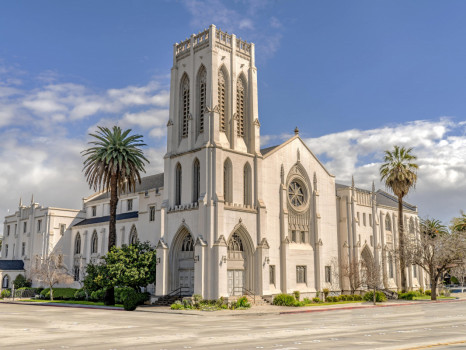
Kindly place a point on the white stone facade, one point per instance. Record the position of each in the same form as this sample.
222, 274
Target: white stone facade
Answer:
225, 215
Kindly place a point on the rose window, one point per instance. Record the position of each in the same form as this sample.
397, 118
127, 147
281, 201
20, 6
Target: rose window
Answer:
296, 194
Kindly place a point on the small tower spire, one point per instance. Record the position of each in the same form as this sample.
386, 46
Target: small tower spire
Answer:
32, 199
352, 181
20, 202
373, 186
296, 131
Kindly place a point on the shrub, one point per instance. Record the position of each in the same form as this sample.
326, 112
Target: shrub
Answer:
220, 301
357, 297
80, 295
326, 291
131, 299
331, 299
176, 306
428, 292
307, 301
299, 303
59, 293
21, 281
421, 291
408, 295
98, 295
379, 296
6, 293
284, 300
197, 298
119, 293
243, 302
296, 294
316, 300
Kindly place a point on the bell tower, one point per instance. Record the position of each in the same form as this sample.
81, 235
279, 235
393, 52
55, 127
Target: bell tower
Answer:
213, 94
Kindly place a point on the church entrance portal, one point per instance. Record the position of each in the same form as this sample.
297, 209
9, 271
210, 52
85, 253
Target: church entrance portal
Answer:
238, 265
182, 260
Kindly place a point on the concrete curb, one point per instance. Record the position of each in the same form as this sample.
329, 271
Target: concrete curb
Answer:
78, 306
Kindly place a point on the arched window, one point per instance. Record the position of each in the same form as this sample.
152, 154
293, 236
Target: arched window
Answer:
94, 243
178, 184
390, 265
227, 181
222, 98
77, 244
6, 281
196, 180
184, 107
411, 226
388, 223
188, 244
247, 189
235, 248
241, 104
133, 236
201, 100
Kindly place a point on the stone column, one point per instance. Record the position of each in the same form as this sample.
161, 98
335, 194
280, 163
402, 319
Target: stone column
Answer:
199, 266
262, 279
220, 255
161, 270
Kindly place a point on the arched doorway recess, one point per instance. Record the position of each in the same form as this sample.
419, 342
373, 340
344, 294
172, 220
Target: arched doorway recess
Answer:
182, 261
240, 262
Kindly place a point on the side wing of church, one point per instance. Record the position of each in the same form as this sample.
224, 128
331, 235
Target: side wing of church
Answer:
227, 217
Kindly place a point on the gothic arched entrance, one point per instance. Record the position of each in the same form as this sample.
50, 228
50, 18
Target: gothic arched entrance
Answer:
239, 263
182, 262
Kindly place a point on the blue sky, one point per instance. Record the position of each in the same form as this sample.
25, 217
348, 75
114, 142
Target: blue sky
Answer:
355, 76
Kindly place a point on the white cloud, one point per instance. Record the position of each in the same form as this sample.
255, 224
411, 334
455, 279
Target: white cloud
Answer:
439, 145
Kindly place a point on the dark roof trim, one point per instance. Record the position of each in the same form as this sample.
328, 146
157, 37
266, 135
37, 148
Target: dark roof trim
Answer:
124, 216
12, 265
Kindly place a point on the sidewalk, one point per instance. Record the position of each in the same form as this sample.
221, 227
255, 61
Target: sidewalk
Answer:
258, 310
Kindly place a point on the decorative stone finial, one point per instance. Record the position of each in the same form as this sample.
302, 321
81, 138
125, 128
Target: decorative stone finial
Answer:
20, 202
32, 199
315, 181
352, 181
373, 186
296, 131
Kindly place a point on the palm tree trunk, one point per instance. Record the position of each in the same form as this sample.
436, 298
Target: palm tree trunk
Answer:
401, 241
433, 288
109, 298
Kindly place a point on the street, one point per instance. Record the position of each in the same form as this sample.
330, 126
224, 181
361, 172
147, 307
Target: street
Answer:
437, 326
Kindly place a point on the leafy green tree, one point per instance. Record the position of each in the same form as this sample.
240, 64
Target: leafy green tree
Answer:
129, 266
114, 163
21, 281
399, 173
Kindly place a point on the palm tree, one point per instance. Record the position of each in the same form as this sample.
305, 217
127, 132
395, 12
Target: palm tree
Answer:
114, 163
459, 224
399, 172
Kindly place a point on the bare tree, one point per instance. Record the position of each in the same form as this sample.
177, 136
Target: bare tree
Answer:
351, 272
51, 271
370, 276
436, 250
459, 271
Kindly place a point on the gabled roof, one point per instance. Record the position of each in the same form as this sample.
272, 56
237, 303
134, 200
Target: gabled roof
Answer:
147, 183
100, 219
11, 265
270, 150
382, 197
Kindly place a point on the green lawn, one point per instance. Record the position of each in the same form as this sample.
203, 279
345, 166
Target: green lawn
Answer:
336, 302
79, 302
427, 297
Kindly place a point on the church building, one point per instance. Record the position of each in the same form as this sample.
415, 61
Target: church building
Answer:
227, 217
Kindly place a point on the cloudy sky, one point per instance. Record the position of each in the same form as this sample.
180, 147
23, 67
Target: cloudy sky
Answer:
356, 77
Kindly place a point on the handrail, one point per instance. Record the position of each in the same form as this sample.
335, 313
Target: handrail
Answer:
178, 291
245, 291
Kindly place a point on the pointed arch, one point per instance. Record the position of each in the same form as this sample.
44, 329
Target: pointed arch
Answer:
181, 258
77, 244
94, 243
196, 180
247, 185
367, 256
6, 281
184, 105
228, 181
133, 235
241, 105
223, 97
178, 182
388, 222
201, 97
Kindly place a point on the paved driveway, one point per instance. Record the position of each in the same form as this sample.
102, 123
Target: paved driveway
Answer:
399, 327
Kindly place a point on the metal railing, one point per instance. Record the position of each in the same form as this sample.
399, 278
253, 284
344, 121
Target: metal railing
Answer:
244, 292
179, 292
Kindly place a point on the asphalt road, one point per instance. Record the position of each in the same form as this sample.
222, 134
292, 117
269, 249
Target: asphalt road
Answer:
420, 326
